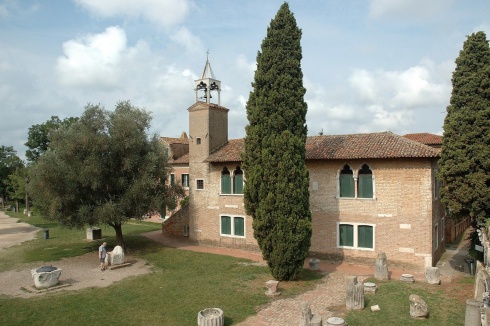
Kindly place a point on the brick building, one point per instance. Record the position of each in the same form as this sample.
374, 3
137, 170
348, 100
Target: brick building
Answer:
368, 192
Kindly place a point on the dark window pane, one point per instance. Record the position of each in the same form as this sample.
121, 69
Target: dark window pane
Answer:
346, 235
239, 226
226, 225
365, 236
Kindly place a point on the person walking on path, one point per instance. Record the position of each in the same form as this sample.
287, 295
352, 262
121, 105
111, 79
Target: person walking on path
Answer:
102, 255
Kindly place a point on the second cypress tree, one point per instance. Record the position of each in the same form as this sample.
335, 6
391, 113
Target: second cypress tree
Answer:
464, 166
276, 192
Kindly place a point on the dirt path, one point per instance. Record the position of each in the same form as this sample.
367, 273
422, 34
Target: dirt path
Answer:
13, 232
77, 272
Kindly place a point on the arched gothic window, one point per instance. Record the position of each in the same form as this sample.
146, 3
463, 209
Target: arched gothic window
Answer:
365, 182
346, 182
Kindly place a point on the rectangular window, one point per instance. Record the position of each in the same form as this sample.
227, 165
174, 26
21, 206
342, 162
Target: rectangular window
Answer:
232, 226
225, 184
185, 180
226, 225
346, 235
346, 185
198, 141
239, 224
165, 151
365, 186
365, 236
356, 236
172, 179
200, 184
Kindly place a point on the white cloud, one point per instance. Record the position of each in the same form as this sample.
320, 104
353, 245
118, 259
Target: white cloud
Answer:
95, 60
414, 88
403, 9
162, 12
189, 41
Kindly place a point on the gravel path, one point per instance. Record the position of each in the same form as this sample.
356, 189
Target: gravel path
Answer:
77, 273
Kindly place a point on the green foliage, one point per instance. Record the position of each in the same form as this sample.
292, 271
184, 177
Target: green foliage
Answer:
17, 181
276, 190
464, 166
9, 163
38, 136
103, 169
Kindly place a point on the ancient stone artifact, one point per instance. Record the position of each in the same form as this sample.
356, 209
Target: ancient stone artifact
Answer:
115, 257
370, 288
407, 278
314, 264
272, 288
481, 281
335, 321
355, 293
381, 272
418, 307
94, 233
46, 276
307, 317
432, 275
375, 308
210, 317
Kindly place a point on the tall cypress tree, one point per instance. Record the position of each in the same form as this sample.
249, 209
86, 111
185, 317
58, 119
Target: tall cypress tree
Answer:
464, 167
276, 190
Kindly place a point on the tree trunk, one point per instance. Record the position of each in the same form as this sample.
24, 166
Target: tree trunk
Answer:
119, 236
27, 204
17, 205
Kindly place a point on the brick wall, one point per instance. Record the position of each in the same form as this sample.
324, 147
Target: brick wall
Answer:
403, 211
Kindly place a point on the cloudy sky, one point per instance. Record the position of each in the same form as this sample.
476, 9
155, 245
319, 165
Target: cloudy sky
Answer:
368, 66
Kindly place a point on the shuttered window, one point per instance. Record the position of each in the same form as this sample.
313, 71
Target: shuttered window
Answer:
238, 181
346, 235
365, 236
226, 225
239, 224
232, 226
365, 187
225, 181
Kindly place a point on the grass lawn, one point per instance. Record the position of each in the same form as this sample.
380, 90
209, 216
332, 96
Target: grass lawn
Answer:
392, 298
182, 284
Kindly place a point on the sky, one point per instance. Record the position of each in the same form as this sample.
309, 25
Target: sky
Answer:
368, 65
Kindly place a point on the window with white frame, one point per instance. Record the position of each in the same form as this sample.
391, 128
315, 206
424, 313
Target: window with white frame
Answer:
355, 236
200, 184
185, 180
437, 185
233, 226
355, 184
231, 183
172, 179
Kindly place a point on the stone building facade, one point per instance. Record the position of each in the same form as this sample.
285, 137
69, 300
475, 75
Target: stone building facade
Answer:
368, 192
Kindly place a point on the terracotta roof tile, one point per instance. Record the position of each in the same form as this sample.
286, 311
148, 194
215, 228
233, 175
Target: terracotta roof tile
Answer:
425, 138
170, 140
184, 159
334, 147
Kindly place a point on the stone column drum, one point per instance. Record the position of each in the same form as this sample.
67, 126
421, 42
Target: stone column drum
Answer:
355, 294
210, 317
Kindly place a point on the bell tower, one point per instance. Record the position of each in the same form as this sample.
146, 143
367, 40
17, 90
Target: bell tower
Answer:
207, 84
208, 122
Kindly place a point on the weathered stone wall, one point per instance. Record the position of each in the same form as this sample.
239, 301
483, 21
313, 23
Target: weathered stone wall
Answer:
175, 224
403, 211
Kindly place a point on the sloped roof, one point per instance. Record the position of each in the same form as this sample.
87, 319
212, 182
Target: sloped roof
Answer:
184, 159
336, 147
170, 140
425, 138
